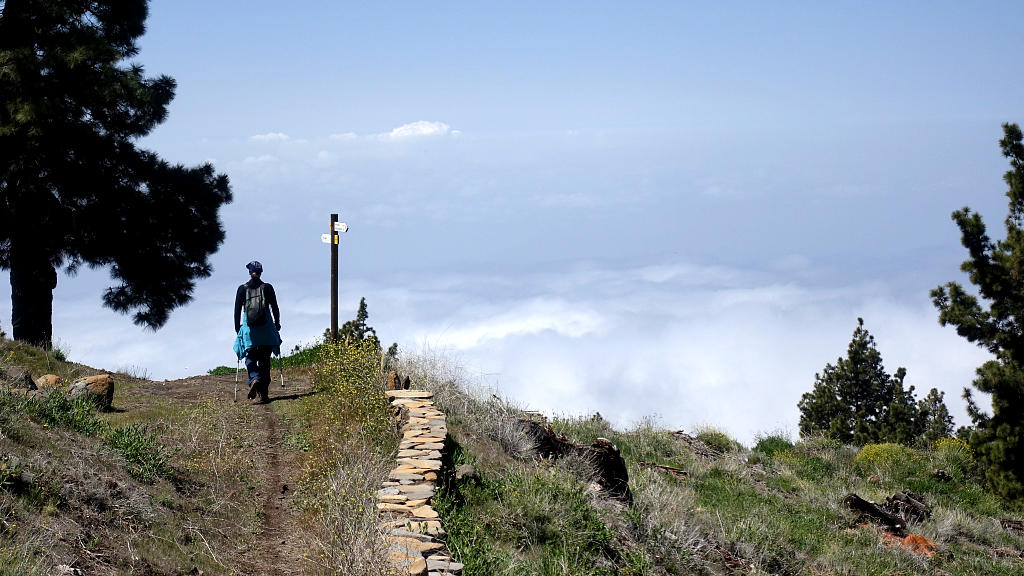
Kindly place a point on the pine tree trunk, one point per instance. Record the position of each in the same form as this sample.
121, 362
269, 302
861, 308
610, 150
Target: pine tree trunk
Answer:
33, 279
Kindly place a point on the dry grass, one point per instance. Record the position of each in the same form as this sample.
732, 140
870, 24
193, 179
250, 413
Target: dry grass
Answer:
470, 405
350, 439
343, 527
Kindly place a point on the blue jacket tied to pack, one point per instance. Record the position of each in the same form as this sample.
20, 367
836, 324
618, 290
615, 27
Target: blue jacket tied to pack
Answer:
266, 334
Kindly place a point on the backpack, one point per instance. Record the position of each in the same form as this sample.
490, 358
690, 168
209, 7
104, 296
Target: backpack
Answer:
256, 313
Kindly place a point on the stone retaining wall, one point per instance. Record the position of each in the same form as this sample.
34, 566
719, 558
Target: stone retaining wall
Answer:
404, 501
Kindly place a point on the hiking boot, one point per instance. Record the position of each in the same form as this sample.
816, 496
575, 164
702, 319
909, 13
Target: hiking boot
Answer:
252, 389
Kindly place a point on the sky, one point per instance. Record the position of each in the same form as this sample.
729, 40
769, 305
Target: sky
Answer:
659, 210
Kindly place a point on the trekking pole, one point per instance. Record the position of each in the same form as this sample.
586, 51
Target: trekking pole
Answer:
280, 359
238, 362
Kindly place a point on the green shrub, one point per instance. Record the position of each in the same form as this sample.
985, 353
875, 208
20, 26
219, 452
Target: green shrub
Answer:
222, 371
59, 409
717, 439
954, 456
147, 459
530, 521
305, 355
889, 460
769, 445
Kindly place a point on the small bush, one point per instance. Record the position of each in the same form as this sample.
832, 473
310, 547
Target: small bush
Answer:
305, 355
717, 439
892, 461
59, 409
769, 445
954, 456
147, 459
221, 371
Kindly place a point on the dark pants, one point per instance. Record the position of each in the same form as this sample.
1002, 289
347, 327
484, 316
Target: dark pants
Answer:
257, 364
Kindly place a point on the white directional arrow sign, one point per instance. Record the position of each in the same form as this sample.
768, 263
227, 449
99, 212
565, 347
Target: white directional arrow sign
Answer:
341, 227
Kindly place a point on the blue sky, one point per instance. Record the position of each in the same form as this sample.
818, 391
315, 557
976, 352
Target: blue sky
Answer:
668, 209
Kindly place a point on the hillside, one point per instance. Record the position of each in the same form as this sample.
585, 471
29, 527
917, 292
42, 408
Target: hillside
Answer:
703, 504
178, 478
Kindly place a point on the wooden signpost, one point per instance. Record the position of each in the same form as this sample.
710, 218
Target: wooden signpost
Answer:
332, 238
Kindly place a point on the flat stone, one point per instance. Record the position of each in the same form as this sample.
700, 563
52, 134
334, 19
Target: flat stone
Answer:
413, 403
401, 558
389, 491
419, 445
418, 568
427, 409
428, 439
424, 512
402, 477
420, 463
417, 491
419, 545
400, 550
393, 498
432, 527
408, 470
409, 394
429, 454
443, 563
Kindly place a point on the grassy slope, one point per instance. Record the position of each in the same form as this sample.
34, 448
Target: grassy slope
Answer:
170, 481
773, 509
154, 486
776, 509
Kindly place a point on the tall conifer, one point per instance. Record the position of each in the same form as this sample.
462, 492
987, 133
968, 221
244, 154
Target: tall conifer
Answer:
74, 187
994, 320
856, 401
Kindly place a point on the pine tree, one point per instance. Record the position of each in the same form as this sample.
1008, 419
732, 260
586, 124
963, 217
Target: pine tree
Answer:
856, 401
74, 187
994, 320
357, 330
937, 421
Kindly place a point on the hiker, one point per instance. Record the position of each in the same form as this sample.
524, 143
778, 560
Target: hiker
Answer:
258, 333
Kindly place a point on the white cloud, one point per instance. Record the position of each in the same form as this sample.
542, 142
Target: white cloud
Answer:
524, 319
418, 129
262, 159
270, 137
733, 350
344, 136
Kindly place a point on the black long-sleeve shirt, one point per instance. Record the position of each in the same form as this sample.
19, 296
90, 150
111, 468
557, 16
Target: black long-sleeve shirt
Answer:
268, 293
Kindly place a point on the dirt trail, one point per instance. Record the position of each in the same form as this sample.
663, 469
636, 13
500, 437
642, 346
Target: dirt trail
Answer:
279, 548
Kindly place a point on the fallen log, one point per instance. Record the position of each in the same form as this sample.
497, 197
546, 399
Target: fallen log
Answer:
908, 506
609, 467
1014, 525
888, 521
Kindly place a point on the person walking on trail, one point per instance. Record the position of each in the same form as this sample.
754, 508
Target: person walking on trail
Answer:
258, 333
